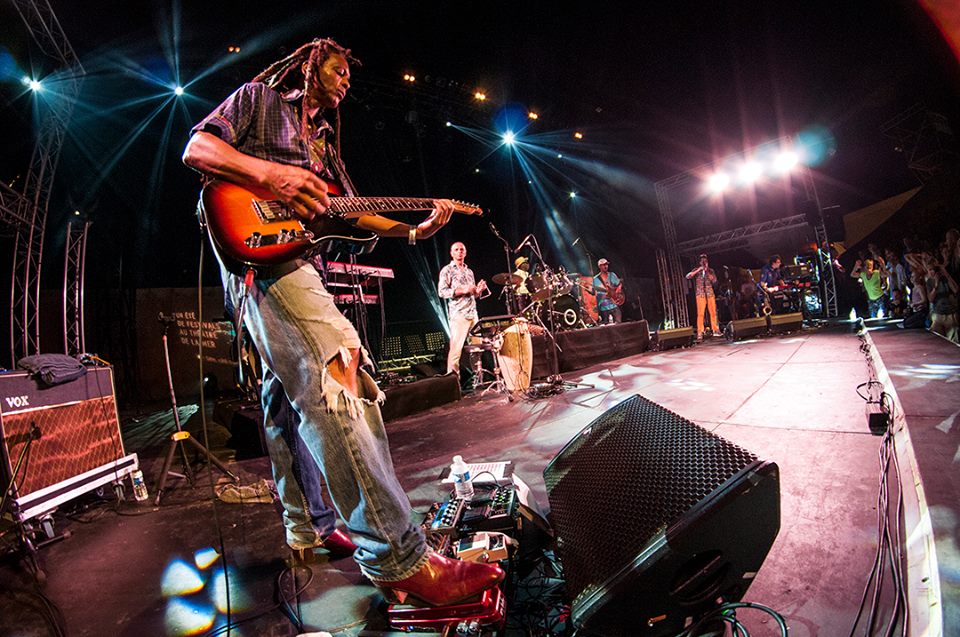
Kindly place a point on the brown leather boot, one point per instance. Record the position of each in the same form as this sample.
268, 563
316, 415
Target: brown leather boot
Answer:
442, 581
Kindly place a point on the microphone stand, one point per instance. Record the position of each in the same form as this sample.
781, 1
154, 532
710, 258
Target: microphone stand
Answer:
180, 438
24, 531
509, 300
556, 378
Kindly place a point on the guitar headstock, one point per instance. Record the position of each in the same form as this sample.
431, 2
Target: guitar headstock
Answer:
467, 208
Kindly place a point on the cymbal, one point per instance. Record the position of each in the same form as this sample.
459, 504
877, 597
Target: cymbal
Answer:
505, 278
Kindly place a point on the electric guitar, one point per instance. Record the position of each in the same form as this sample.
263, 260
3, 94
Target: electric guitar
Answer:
615, 294
252, 229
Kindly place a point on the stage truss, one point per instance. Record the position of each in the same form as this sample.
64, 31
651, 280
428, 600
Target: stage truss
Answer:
674, 285
25, 213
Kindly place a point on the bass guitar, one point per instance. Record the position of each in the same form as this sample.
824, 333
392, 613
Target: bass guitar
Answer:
250, 228
615, 294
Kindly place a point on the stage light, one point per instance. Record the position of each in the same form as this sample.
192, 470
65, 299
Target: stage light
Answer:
233, 49
785, 161
449, 124
750, 172
532, 115
407, 77
32, 84
718, 182
76, 213
480, 96
509, 138
559, 155
476, 170
178, 91
573, 195
578, 135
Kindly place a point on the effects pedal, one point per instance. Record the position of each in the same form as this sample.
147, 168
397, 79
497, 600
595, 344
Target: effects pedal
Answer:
483, 547
447, 517
493, 510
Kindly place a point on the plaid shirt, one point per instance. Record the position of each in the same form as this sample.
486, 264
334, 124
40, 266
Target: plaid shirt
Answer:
453, 276
259, 121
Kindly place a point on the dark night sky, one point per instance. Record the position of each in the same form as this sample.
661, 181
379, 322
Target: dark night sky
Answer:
656, 90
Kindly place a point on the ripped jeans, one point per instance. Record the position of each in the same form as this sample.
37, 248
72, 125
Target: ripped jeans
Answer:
298, 330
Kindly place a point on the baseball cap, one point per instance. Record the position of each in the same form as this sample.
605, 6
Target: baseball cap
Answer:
602, 261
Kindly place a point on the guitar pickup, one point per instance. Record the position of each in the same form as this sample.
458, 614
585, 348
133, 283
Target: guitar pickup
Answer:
270, 211
258, 240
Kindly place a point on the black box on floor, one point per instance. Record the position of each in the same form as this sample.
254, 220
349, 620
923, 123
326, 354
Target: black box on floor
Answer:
678, 337
244, 419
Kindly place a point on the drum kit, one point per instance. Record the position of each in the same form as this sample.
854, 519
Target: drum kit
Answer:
549, 298
537, 304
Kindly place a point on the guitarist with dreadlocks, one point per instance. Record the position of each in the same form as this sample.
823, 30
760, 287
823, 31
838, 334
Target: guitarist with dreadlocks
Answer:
279, 135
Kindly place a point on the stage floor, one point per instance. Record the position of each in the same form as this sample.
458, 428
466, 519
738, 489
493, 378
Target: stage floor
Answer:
130, 570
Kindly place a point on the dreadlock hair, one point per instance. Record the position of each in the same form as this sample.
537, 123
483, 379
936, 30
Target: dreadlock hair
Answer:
283, 73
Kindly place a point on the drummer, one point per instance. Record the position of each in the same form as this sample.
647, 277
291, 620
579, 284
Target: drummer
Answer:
522, 265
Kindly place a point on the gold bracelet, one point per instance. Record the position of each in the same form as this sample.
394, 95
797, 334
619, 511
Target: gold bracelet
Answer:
412, 235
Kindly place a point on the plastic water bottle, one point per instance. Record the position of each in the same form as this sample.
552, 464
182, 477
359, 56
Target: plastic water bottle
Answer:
461, 478
139, 488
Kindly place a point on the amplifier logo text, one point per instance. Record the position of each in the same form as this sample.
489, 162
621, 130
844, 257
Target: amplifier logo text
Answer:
18, 401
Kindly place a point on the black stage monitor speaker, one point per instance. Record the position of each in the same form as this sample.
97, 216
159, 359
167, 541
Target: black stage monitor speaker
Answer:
656, 520
679, 337
745, 328
780, 323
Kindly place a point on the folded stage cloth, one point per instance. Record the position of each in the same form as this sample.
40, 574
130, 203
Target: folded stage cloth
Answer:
53, 369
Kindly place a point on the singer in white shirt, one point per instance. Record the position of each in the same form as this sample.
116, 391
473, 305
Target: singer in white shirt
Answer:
458, 287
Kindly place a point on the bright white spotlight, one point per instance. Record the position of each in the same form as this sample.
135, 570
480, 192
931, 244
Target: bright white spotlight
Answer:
509, 138
750, 172
718, 182
178, 91
449, 124
785, 161
573, 195
35, 85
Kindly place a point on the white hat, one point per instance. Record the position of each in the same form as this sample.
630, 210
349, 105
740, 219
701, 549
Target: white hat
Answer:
602, 261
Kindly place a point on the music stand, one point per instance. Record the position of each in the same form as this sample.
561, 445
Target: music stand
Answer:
178, 437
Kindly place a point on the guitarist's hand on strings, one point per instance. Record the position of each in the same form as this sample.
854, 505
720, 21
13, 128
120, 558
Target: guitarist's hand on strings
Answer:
438, 218
300, 189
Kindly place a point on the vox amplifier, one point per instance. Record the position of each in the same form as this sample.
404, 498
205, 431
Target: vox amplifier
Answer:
61, 441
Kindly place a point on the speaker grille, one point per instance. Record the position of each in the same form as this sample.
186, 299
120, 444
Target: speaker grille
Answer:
624, 479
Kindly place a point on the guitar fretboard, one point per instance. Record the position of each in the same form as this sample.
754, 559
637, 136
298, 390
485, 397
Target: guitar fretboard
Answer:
276, 210
379, 204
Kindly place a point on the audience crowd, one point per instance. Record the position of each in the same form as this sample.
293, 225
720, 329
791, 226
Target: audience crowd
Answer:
918, 285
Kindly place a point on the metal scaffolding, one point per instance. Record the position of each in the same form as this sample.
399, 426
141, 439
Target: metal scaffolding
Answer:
26, 212
672, 281
74, 266
925, 137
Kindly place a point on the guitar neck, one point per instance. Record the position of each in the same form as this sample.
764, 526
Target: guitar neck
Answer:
352, 207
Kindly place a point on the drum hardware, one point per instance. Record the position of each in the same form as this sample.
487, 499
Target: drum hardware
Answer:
506, 278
